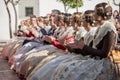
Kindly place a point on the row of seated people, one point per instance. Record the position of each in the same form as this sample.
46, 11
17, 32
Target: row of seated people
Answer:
65, 47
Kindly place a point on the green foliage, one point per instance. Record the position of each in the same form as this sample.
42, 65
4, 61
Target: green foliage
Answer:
65, 2
72, 3
76, 3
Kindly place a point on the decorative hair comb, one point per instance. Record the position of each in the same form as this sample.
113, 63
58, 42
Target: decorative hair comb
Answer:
108, 4
88, 14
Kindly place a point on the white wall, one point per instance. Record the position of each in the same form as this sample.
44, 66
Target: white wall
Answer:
28, 3
4, 22
47, 5
12, 13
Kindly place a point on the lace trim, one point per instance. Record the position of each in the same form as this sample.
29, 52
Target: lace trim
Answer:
81, 33
90, 35
103, 30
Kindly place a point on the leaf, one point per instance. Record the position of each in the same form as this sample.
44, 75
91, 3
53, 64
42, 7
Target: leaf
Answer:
72, 3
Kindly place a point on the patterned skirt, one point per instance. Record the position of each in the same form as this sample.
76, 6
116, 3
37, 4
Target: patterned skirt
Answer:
89, 69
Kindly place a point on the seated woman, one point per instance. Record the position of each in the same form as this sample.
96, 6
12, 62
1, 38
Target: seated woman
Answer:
117, 25
62, 37
19, 37
62, 33
37, 42
41, 23
118, 29
79, 33
52, 66
19, 32
47, 51
97, 67
88, 23
78, 26
8, 50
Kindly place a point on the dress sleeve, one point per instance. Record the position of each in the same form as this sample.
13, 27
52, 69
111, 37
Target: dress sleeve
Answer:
58, 45
107, 45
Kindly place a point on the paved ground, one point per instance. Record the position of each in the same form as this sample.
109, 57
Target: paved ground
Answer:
5, 72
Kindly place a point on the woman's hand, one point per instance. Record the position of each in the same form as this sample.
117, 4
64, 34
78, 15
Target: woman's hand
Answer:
80, 44
49, 38
77, 44
35, 32
72, 44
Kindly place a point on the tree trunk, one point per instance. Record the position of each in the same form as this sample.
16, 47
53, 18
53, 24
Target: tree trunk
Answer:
7, 1
65, 9
119, 8
10, 28
15, 17
77, 5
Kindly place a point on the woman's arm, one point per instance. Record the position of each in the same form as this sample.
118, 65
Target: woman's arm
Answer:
58, 45
108, 42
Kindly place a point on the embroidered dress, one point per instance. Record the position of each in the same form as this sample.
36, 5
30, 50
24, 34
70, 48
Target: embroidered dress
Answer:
7, 48
45, 61
39, 52
10, 46
88, 69
15, 48
44, 73
24, 49
33, 57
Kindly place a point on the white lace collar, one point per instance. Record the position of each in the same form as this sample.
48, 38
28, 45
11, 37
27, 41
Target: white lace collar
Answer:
102, 31
89, 36
80, 33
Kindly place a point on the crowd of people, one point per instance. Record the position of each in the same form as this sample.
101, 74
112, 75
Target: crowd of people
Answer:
62, 46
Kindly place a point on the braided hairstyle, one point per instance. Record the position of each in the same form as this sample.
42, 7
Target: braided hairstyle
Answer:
89, 16
104, 10
67, 19
77, 18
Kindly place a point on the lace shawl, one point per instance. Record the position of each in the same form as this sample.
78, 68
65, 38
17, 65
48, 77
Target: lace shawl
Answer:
89, 36
102, 31
80, 34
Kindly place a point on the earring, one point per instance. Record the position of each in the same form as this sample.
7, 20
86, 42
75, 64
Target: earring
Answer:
99, 18
105, 17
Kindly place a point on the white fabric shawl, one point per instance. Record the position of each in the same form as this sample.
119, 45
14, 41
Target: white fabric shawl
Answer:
102, 31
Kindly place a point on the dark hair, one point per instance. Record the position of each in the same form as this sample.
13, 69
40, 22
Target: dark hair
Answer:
77, 18
46, 22
116, 16
88, 16
118, 20
104, 10
40, 19
67, 19
61, 17
55, 12
32, 16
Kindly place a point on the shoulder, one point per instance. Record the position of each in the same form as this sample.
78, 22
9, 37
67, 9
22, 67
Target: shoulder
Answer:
108, 27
